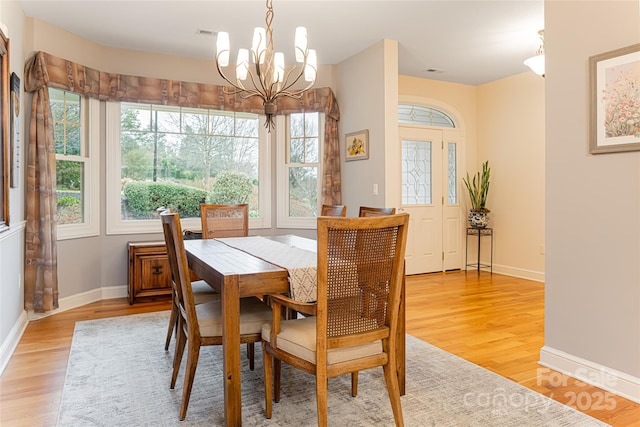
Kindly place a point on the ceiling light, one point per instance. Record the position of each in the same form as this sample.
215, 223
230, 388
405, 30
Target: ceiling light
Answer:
266, 77
536, 63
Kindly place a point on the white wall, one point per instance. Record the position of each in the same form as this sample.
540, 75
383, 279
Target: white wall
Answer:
511, 136
592, 294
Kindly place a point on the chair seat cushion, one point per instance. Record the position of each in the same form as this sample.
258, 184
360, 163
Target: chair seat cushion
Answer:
253, 314
298, 337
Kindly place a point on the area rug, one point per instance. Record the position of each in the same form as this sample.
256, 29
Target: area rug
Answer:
118, 375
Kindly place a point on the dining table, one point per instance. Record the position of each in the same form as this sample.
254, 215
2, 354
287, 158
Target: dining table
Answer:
237, 273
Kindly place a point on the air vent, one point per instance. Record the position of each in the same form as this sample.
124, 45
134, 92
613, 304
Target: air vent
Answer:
433, 70
205, 32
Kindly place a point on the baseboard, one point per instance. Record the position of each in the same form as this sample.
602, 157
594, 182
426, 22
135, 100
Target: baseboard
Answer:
536, 276
619, 383
83, 298
111, 292
11, 342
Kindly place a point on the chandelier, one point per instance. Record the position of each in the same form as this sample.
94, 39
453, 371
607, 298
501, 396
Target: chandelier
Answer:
536, 63
266, 77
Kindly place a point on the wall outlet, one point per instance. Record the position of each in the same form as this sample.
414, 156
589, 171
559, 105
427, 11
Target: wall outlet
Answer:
375, 189
541, 249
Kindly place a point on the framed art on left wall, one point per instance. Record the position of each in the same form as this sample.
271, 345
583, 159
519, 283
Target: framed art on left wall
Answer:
4, 132
14, 122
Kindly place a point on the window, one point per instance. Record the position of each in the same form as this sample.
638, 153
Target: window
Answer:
416, 172
76, 127
426, 116
299, 168
452, 173
176, 157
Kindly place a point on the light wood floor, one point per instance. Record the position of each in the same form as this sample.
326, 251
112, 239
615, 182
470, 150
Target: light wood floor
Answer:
494, 321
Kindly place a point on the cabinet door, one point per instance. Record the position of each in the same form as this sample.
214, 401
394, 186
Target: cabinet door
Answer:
155, 272
149, 270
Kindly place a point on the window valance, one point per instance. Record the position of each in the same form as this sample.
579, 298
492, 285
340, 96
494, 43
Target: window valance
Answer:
46, 70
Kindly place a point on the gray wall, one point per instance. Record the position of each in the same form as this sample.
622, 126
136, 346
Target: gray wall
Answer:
592, 294
362, 98
12, 240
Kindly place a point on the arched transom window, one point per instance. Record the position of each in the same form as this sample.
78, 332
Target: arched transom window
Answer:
426, 116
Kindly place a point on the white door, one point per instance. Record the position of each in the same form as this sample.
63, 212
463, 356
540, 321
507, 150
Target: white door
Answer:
430, 196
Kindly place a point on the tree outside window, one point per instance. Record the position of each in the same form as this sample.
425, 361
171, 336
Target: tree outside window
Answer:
172, 157
66, 110
303, 162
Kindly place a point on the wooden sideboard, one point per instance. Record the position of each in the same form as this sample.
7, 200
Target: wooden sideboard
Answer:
149, 271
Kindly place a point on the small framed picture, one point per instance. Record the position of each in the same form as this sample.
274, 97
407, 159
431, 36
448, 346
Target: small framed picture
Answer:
357, 145
615, 101
14, 124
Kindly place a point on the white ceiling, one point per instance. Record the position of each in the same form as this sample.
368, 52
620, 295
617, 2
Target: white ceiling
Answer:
471, 42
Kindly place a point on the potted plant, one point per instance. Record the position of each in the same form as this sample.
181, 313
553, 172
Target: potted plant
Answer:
478, 189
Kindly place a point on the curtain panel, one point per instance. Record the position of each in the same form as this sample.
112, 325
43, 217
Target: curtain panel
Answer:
45, 70
41, 260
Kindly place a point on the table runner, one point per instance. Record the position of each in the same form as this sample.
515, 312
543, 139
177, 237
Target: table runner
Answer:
300, 263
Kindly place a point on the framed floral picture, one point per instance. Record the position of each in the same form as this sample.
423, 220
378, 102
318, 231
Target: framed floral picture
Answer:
615, 101
357, 145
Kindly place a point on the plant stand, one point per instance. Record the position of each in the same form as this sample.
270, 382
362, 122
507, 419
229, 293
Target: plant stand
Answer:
480, 232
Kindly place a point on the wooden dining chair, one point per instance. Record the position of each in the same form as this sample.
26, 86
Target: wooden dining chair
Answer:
202, 292
218, 220
201, 325
333, 210
224, 220
367, 211
342, 335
